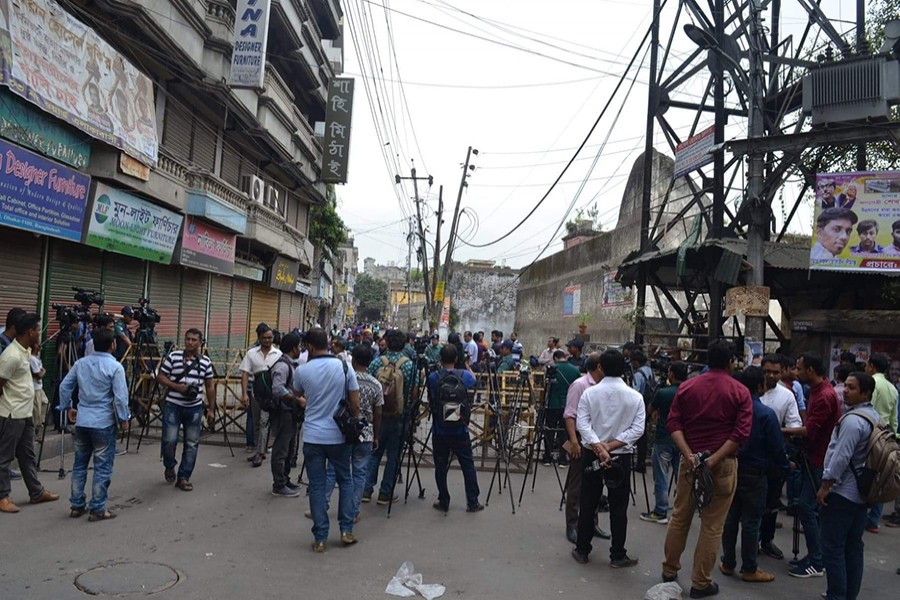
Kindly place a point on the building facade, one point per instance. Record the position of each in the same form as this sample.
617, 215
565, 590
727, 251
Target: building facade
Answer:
157, 179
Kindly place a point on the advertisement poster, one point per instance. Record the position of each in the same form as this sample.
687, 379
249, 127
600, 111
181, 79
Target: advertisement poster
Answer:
284, 274
40, 195
891, 348
860, 347
27, 126
615, 294
57, 62
207, 248
694, 153
572, 301
753, 353
857, 222
251, 34
129, 225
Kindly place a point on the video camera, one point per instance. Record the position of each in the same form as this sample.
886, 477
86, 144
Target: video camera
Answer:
68, 315
146, 316
421, 344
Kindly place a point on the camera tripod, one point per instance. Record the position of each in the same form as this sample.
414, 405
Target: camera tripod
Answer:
145, 365
412, 416
503, 437
541, 431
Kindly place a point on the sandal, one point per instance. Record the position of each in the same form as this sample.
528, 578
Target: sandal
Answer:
184, 485
104, 516
77, 512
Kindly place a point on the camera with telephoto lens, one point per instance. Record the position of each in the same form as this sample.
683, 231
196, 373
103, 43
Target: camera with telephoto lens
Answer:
88, 297
68, 315
146, 316
421, 344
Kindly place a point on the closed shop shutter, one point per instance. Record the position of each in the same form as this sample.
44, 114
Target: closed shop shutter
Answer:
231, 165
284, 312
219, 312
263, 309
72, 265
297, 311
123, 281
20, 265
203, 152
177, 130
194, 300
240, 314
165, 296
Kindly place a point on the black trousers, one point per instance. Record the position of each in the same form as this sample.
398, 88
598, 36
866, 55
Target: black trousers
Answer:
770, 518
553, 440
283, 429
592, 483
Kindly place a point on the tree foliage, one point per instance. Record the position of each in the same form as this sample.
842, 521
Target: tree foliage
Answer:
326, 228
373, 297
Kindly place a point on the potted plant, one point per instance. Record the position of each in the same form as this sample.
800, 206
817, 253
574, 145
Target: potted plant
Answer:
583, 320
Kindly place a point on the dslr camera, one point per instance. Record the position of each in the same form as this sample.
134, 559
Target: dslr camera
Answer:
193, 391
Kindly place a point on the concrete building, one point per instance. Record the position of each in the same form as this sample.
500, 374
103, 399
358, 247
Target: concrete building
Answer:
192, 193
484, 296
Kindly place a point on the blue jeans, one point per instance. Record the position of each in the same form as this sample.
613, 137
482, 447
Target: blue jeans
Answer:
174, 419
390, 440
360, 457
808, 509
462, 448
874, 516
101, 444
338, 456
746, 511
843, 523
665, 460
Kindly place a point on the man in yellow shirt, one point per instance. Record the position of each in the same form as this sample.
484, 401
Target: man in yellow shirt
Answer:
16, 420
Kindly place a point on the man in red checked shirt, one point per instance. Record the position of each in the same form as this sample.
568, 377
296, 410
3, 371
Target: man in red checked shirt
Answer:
822, 413
711, 413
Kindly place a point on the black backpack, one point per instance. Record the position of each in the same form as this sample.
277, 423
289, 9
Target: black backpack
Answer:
262, 386
452, 405
650, 387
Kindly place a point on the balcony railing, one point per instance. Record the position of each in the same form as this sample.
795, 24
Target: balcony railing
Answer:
218, 188
278, 90
220, 10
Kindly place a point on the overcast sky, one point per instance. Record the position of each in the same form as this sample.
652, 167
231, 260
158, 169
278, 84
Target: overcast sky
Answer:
524, 112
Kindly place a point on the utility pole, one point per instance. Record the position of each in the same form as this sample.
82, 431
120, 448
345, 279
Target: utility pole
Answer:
409, 242
433, 308
423, 247
862, 47
451, 241
758, 207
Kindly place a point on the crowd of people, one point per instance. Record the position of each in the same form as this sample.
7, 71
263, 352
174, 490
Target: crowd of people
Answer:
731, 442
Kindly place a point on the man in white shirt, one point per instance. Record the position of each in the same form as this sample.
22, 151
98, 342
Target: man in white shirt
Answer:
610, 420
783, 403
470, 347
258, 359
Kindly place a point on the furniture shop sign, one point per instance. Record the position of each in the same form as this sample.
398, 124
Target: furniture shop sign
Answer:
39, 195
251, 34
126, 224
207, 248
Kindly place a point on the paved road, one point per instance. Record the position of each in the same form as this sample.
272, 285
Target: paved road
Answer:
230, 538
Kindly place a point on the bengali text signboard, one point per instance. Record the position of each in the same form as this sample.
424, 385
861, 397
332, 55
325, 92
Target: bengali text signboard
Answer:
39, 195
60, 64
337, 130
29, 127
207, 248
129, 225
694, 153
856, 224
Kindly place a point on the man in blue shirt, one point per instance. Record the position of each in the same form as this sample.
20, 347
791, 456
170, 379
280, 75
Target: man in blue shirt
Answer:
324, 381
102, 400
447, 436
764, 449
842, 517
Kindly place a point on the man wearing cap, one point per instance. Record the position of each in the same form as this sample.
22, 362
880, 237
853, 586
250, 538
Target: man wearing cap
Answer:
575, 347
433, 351
124, 338
507, 360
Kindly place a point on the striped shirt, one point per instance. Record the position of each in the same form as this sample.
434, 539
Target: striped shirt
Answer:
173, 368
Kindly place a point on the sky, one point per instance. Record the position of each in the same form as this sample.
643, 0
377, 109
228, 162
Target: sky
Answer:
522, 82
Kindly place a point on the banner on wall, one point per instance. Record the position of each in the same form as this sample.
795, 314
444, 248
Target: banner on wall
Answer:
39, 195
126, 224
857, 222
60, 64
207, 248
614, 293
572, 301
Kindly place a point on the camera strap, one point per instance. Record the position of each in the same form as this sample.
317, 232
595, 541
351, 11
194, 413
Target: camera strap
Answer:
187, 370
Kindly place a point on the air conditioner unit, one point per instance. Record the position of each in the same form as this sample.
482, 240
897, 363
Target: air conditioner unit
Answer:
254, 187
271, 199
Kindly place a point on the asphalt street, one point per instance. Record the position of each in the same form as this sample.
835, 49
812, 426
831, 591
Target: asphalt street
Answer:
230, 538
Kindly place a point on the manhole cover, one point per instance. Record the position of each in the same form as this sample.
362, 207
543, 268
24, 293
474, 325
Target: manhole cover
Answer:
120, 579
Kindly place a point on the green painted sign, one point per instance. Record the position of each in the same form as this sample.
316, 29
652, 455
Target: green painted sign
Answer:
23, 124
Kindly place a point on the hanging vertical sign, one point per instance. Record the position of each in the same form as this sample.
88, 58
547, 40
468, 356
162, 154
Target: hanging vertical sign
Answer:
337, 130
251, 32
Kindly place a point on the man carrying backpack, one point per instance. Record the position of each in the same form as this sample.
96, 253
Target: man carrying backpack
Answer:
284, 415
645, 384
399, 380
449, 396
842, 517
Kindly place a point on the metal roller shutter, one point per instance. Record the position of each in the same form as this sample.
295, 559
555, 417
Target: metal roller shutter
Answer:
231, 165
203, 149
71, 265
263, 309
297, 311
194, 300
284, 312
20, 264
240, 314
165, 296
177, 131
219, 312
123, 281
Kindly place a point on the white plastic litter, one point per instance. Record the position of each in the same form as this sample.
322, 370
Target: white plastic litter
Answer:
406, 583
664, 591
